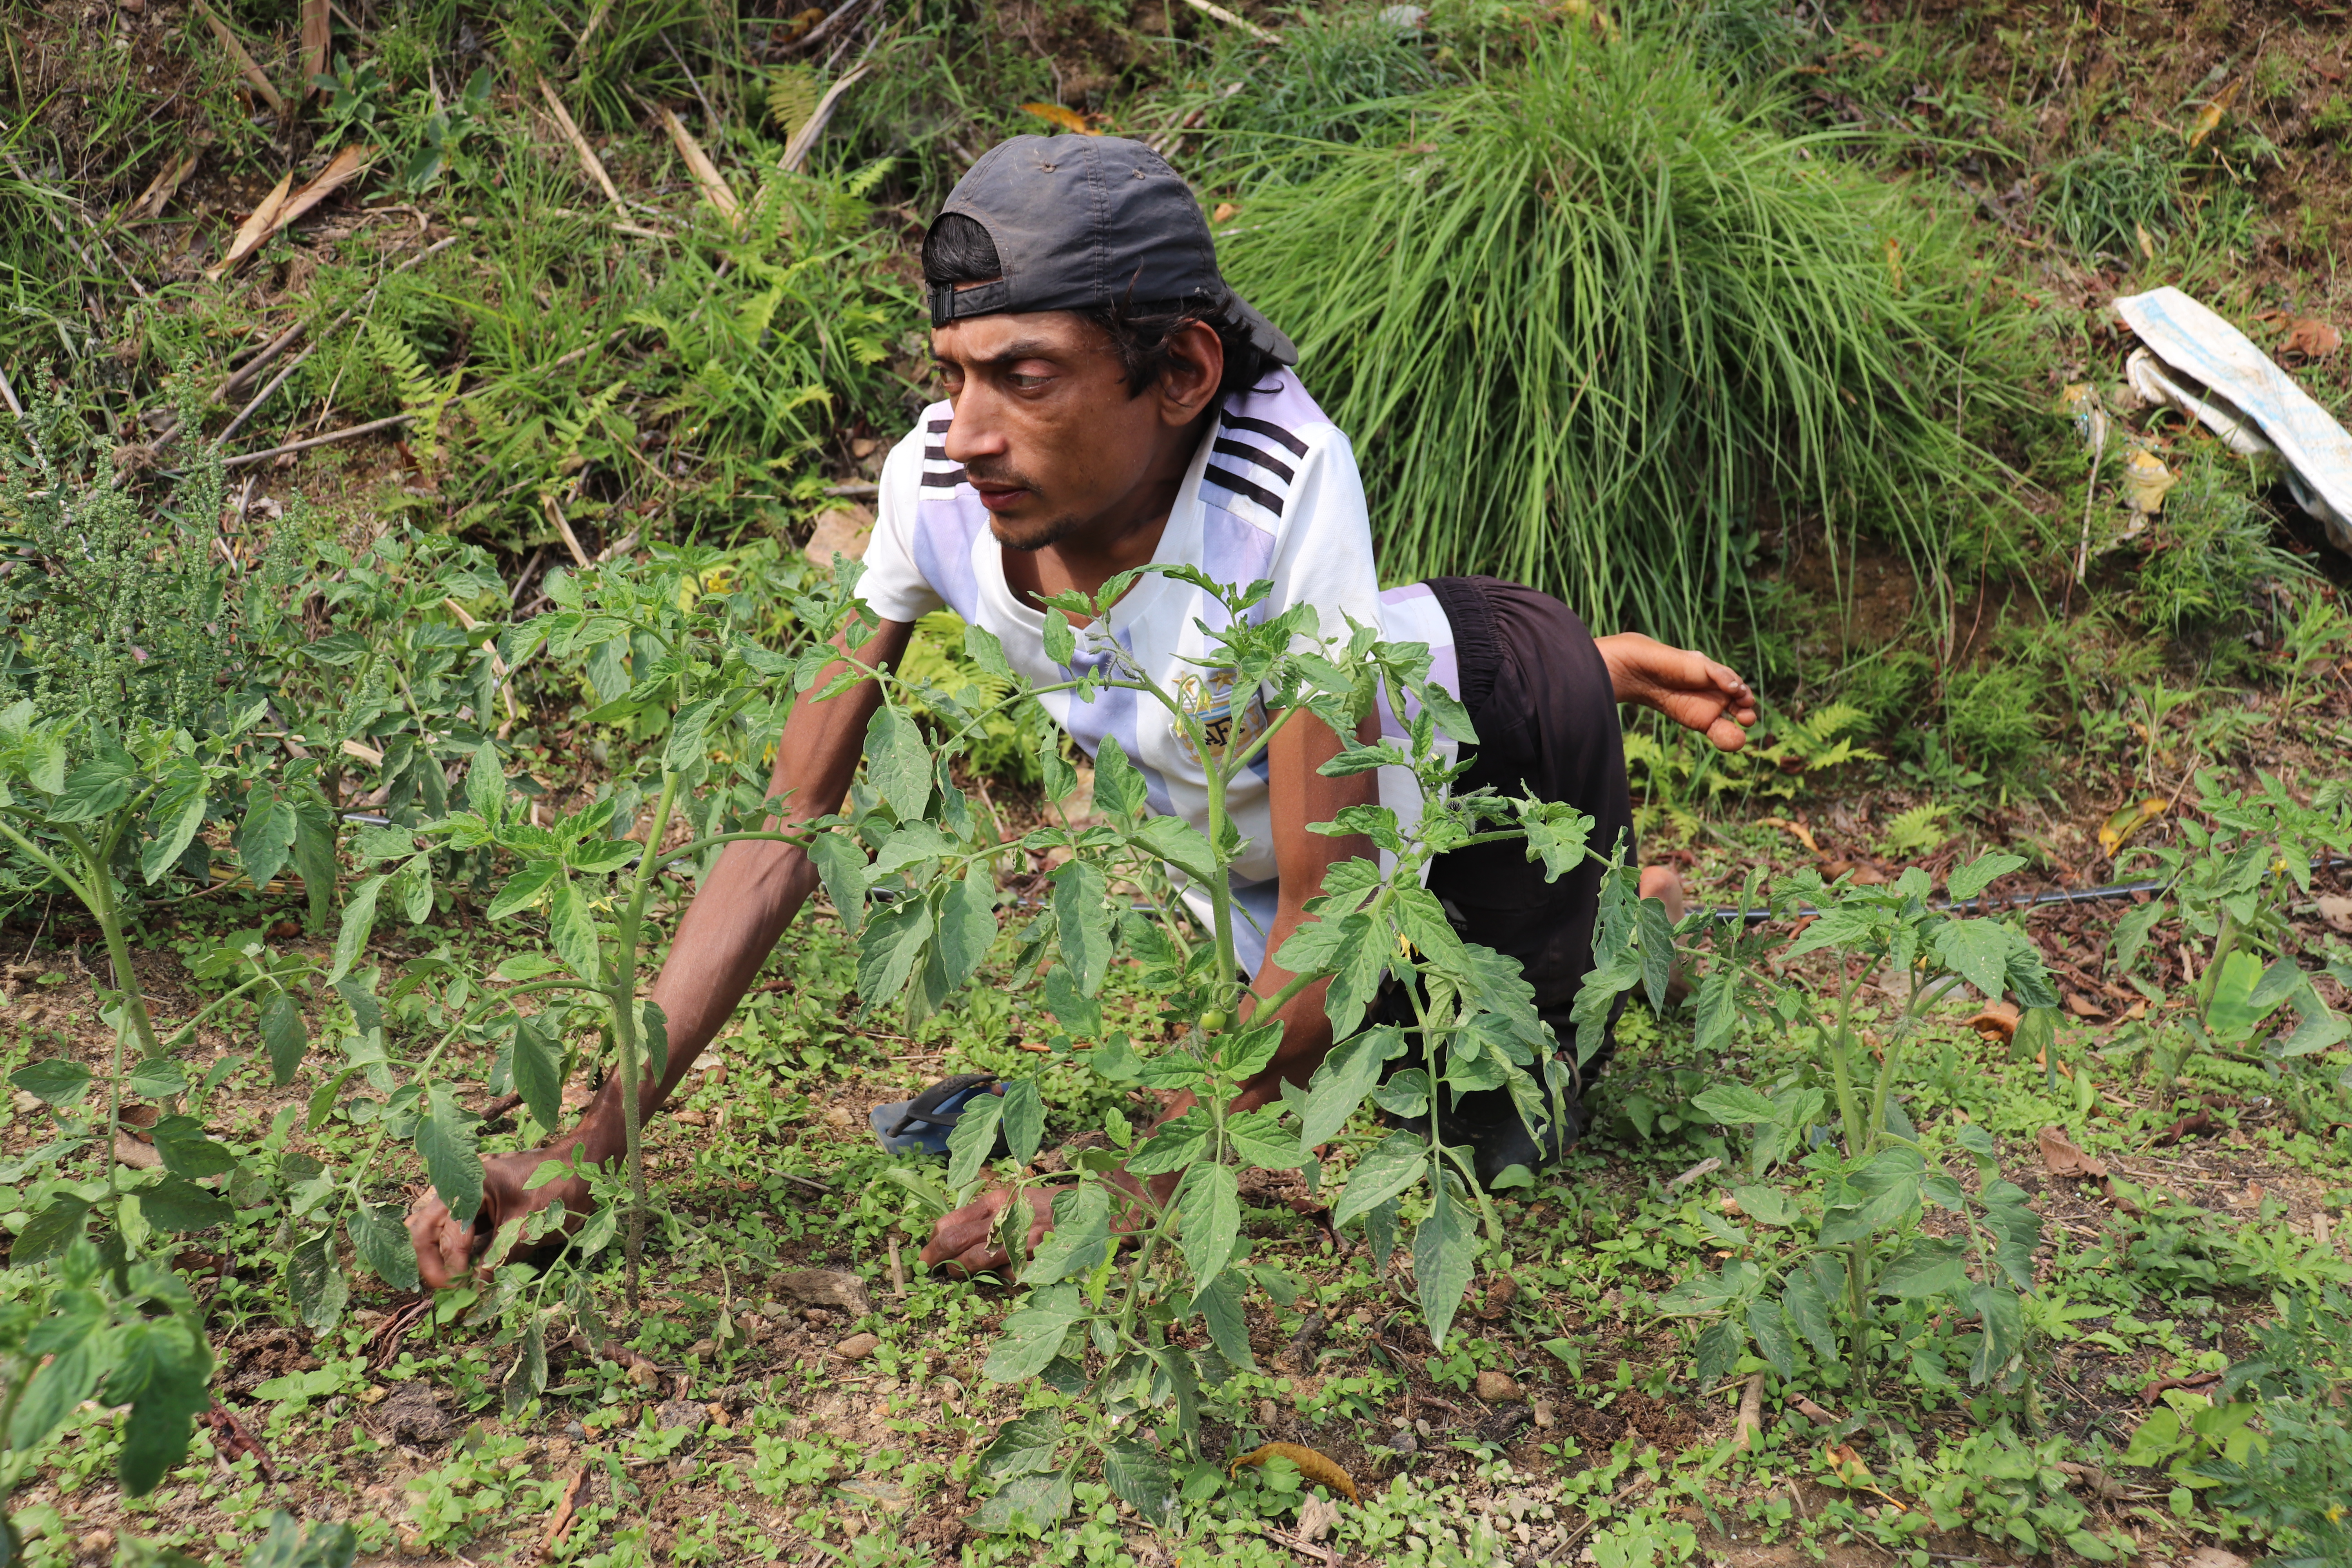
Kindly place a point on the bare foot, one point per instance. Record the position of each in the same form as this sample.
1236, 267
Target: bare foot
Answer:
445, 1250
964, 1242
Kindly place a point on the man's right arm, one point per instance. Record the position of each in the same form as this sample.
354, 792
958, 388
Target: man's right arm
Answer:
737, 917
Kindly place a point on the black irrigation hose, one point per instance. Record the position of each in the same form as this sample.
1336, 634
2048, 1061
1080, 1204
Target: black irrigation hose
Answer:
1987, 903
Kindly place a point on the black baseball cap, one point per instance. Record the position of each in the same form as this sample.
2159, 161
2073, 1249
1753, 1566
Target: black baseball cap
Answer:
1085, 223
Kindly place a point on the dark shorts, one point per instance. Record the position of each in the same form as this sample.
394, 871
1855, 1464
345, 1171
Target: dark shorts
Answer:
1546, 714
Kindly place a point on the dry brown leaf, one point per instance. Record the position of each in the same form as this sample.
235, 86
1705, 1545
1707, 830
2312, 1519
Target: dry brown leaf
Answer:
166, 183
1314, 1467
2210, 117
1998, 1021
2312, 338
254, 229
2337, 913
1227, 211
2195, 1382
2061, 1157
567, 1507
2195, 1122
342, 170
1813, 1411
2127, 821
1057, 114
318, 32
1796, 830
244, 62
698, 163
589, 164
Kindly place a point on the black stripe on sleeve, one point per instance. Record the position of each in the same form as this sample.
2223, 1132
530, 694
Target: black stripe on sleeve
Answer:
938, 427
946, 481
935, 454
1252, 455
1266, 428
1240, 487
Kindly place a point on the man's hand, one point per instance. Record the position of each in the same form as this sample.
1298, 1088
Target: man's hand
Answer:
445, 1250
1688, 687
965, 1240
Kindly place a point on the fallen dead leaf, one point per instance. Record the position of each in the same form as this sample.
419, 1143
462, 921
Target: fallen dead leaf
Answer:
2337, 913
1055, 114
2312, 338
1998, 1021
2212, 1557
2195, 1122
2061, 1157
2196, 1382
1317, 1467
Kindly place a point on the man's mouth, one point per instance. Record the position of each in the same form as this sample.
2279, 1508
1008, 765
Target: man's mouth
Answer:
999, 496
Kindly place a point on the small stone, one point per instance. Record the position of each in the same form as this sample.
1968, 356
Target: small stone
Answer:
706, 1348
1496, 1387
1405, 1443
1544, 1413
97, 1542
1420, 1424
413, 1415
676, 1413
1266, 1413
857, 1347
837, 1117
26, 1103
829, 1287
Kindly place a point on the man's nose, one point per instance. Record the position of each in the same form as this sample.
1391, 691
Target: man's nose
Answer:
973, 431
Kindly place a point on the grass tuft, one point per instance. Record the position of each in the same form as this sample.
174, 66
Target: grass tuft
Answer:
1597, 321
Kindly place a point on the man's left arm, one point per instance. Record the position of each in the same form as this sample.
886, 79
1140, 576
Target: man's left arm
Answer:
1296, 795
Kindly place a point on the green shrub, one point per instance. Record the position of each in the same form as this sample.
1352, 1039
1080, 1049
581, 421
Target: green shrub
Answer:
1595, 315
2104, 200
2211, 546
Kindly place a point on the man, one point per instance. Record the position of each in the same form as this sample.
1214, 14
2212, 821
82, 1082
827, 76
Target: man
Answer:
1112, 403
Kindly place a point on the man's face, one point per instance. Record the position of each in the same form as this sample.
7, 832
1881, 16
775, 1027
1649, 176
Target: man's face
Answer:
1045, 426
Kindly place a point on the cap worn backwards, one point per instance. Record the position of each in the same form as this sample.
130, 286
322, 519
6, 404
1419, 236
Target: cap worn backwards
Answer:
1084, 223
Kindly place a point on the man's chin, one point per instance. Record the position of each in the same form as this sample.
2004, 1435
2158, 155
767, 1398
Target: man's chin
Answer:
1029, 534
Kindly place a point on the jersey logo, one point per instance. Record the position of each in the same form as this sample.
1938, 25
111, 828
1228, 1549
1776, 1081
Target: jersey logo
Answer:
1211, 706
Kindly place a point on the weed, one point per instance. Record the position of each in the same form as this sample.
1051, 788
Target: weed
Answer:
2118, 201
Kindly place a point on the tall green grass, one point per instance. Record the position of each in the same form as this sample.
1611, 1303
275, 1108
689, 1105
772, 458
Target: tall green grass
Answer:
1593, 325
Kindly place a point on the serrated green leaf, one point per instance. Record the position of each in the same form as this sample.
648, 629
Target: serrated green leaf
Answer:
897, 762
445, 1141
53, 1081
284, 1036
1033, 1337
571, 930
381, 1239
1119, 787
974, 1139
1082, 922
843, 866
1445, 1256
539, 1072
1980, 874
1208, 1219
1394, 1164
1024, 1119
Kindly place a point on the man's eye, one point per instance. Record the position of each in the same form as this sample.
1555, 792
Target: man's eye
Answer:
1027, 383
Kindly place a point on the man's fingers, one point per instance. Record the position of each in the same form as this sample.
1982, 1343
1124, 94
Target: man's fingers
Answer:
445, 1249
1727, 735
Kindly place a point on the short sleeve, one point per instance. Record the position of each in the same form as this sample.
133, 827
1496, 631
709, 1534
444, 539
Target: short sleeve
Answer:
1325, 555
893, 586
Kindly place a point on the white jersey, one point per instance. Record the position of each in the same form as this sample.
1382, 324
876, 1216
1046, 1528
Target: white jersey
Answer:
1272, 494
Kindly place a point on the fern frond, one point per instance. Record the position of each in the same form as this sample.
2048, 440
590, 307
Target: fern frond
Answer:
792, 96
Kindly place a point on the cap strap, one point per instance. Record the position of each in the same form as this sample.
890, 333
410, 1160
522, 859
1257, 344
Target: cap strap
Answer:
949, 302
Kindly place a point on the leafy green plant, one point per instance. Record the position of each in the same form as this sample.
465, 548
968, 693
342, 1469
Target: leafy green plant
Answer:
1787, 1291
2230, 878
1588, 262
107, 1325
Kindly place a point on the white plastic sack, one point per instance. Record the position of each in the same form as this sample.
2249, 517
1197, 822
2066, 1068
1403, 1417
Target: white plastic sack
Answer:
2207, 368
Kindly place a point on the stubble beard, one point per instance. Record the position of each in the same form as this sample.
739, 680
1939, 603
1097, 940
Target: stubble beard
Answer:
1032, 537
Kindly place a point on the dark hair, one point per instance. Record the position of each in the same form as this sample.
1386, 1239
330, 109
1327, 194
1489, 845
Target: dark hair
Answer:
958, 251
